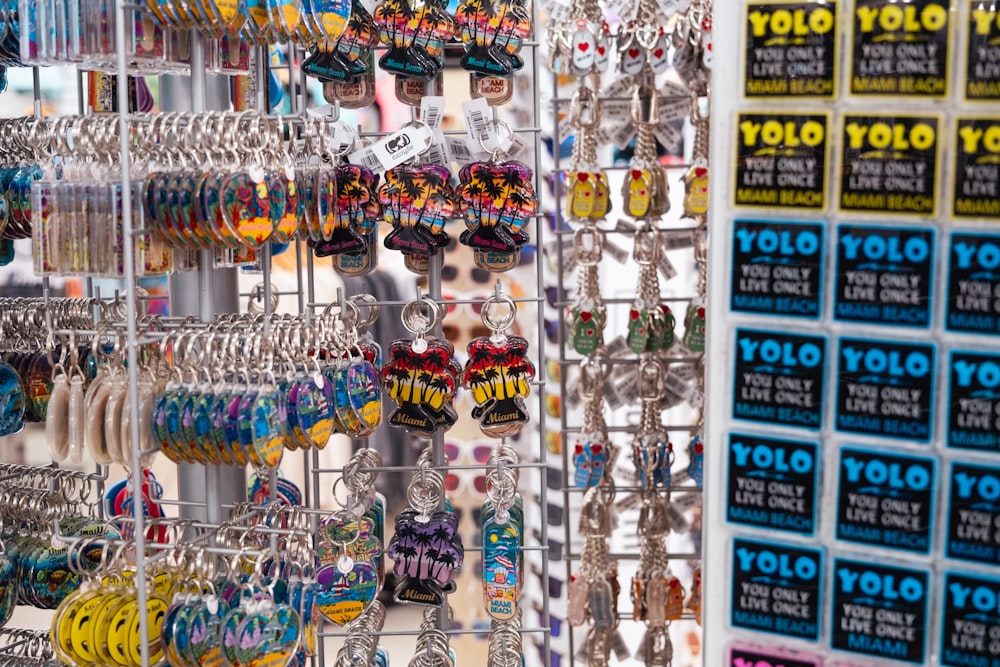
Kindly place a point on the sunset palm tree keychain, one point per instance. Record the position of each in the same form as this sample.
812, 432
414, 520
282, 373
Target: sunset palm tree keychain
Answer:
496, 199
419, 374
417, 201
498, 372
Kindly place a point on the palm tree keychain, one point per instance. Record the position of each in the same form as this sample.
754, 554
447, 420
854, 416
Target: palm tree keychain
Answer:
497, 200
417, 201
499, 372
420, 375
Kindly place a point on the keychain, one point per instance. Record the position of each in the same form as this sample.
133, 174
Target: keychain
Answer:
497, 200
419, 374
498, 372
417, 201
349, 546
493, 32
426, 546
594, 454
502, 536
416, 34
8, 586
593, 590
652, 452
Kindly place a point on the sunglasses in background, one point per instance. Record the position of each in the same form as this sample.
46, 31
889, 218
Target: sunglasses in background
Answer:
552, 331
553, 406
555, 514
556, 547
455, 333
554, 584
471, 481
556, 622
476, 306
478, 275
553, 478
552, 296
477, 519
554, 442
455, 451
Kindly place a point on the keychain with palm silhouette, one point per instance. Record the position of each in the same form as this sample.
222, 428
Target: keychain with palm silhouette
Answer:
498, 372
417, 201
406, 27
431, 42
426, 545
350, 215
492, 33
420, 374
346, 59
497, 200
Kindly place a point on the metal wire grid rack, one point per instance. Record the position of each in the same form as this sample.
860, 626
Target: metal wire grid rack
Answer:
218, 495
571, 496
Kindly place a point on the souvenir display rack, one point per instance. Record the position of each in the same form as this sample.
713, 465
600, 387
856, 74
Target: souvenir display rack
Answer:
205, 517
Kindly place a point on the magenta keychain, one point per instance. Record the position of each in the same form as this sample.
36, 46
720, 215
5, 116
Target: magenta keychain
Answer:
497, 201
417, 201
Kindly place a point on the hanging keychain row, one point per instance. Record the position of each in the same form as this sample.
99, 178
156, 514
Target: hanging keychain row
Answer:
239, 399
41, 512
83, 34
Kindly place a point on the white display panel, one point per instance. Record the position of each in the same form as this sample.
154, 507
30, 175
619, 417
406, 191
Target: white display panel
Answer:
854, 359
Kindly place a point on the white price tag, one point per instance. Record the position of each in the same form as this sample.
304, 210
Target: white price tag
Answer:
460, 151
677, 386
687, 501
668, 135
438, 152
618, 347
516, 148
623, 136
678, 522
624, 226
617, 253
676, 240
395, 149
665, 267
674, 109
432, 110
478, 121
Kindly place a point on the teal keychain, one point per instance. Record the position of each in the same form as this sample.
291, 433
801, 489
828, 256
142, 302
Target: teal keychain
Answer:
503, 567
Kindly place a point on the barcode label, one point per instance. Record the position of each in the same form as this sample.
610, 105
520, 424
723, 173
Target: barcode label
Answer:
459, 150
687, 501
617, 253
624, 226
630, 502
368, 158
671, 89
677, 386
668, 135
573, 399
678, 522
618, 347
677, 240
437, 155
432, 110
665, 267
477, 114
623, 136
696, 399
516, 148
679, 478
672, 109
